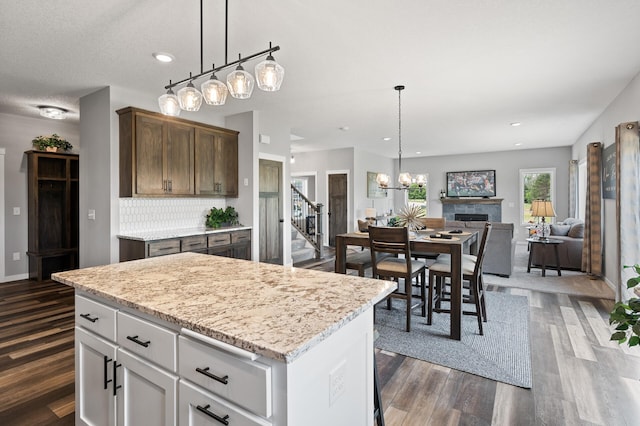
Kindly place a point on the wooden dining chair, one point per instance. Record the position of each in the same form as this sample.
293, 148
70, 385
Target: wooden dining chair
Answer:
394, 242
471, 272
430, 223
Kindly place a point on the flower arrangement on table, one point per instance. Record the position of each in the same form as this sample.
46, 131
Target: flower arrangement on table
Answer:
221, 217
51, 143
410, 215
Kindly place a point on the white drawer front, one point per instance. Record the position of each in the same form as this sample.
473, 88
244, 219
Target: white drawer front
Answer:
149, 340
198, 407
97, 317
248, 383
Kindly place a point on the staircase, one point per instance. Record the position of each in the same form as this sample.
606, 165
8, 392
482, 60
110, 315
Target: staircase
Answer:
301, 250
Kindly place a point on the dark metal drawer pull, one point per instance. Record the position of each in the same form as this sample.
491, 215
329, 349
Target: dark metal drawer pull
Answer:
140, 342
224, 380
88, 317
166, 248
205, 410
107, 360
116, 386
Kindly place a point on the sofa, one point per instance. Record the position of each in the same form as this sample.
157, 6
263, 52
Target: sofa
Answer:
571, 232
501, 246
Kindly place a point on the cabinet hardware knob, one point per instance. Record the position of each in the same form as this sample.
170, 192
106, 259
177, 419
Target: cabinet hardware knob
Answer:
206, 411
140, 342
107, 360
224, 380
88, 317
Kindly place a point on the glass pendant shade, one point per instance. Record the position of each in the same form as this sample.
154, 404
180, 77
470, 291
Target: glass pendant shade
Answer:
421, 180
240, 83
214, 91
404, 179
269, 75
189, 98
382, 180
169, 104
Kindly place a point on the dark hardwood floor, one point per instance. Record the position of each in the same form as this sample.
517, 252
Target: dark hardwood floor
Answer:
579, 377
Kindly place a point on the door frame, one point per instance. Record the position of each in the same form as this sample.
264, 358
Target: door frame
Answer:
325, 237
3, 270
286, 207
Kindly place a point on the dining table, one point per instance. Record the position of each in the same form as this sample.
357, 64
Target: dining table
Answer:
465, 242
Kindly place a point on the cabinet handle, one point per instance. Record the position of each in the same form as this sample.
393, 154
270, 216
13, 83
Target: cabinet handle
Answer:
206, 411
170, 185
164, 185
224, 380
116, 386
107, 360
88, 317
140, 342
165, 248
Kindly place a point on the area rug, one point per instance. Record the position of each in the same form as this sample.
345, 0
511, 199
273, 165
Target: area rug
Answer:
502, 353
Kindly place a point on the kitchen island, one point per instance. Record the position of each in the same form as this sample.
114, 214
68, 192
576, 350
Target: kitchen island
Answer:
192, 339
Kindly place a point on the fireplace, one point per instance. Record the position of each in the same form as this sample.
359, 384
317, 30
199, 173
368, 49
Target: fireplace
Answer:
471, 217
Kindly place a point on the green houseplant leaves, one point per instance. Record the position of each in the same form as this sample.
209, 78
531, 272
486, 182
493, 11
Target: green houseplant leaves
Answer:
626, 315
55, 141
221, 217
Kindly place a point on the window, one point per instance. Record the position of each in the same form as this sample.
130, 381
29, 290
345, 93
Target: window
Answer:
418, 195
535, 184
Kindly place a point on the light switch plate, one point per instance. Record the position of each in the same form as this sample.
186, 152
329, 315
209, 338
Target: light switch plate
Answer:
16, 211
92, 214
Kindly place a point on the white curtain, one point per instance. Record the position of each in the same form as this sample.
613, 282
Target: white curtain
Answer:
628, 201
573, 188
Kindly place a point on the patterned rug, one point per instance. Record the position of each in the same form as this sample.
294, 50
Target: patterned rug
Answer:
502, 353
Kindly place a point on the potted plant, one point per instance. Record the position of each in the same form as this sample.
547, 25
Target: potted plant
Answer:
51, 143
626, 315
221, 217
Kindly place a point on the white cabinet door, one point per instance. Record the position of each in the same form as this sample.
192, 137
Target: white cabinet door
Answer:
95, 403
146, 394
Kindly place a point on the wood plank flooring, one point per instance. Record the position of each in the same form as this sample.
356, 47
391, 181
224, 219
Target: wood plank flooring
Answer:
579, 377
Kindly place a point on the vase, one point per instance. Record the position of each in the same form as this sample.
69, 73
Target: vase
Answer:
51, 149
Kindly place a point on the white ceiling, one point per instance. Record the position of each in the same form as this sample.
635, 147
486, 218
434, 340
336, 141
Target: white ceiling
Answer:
470, 67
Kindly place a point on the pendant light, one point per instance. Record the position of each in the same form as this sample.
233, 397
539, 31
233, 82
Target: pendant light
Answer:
269, 74
214, 91
404, 178
189, 97
240, 83
169, 104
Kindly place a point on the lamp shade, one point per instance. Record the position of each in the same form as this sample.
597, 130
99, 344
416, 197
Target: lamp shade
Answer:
383, 180
404, 179
240, 83
214, 91
269, 75
370, 212
542, 208
169, 104
189, 98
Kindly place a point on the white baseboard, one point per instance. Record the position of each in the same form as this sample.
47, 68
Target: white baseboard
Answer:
15, 278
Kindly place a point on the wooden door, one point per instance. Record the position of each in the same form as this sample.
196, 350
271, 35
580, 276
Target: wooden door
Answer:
149, 152
337, 211
270, 209
180, 140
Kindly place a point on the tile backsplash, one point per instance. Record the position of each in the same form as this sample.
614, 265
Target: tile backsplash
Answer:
153, 214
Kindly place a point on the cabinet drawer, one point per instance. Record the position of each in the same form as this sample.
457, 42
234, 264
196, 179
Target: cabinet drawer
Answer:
159, 248
248, 382
198, 407
97, 317
219, 240
197, 242
240, 236
149, 340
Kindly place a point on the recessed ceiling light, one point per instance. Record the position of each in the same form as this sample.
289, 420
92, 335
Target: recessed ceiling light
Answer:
53, 112
418, 152
518, 144
386, 138
163, 57
344, 128
516, 123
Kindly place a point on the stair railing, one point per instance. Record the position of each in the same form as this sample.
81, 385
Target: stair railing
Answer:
306, 218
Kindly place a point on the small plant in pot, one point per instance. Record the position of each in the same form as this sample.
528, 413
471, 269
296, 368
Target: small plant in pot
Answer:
51, 143
221, 217
626, 315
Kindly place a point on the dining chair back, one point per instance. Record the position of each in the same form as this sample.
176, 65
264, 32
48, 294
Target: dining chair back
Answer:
471, 272
391, 259
429, 223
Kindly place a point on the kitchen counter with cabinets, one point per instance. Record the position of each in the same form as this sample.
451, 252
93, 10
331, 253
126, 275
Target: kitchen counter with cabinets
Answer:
229, 241
226, 339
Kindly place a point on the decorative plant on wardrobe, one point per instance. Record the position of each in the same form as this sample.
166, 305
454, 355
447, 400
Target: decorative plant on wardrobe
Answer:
626, 315
221, 217
51, 143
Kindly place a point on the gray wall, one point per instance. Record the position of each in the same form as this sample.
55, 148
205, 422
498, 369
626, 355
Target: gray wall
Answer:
16, 136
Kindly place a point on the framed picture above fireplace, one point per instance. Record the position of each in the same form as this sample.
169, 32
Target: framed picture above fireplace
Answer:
476, 183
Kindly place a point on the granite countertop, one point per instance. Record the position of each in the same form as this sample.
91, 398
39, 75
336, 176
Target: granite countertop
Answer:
276, 311
164, 234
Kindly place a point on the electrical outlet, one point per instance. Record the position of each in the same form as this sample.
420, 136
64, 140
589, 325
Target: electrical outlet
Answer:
16, 255
91, 214
337, 382
16, 211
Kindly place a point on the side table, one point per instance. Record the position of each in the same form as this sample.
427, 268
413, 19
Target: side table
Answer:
542, 243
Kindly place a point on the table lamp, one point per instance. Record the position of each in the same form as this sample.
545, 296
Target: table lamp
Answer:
370, 214
543, 209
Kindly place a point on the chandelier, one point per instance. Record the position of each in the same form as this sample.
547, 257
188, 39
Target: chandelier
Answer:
239, 83
404, 178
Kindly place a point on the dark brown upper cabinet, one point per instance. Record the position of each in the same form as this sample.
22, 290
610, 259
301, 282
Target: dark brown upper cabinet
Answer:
165, 156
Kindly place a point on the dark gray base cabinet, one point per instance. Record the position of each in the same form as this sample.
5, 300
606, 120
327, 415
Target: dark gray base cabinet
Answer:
235, 244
